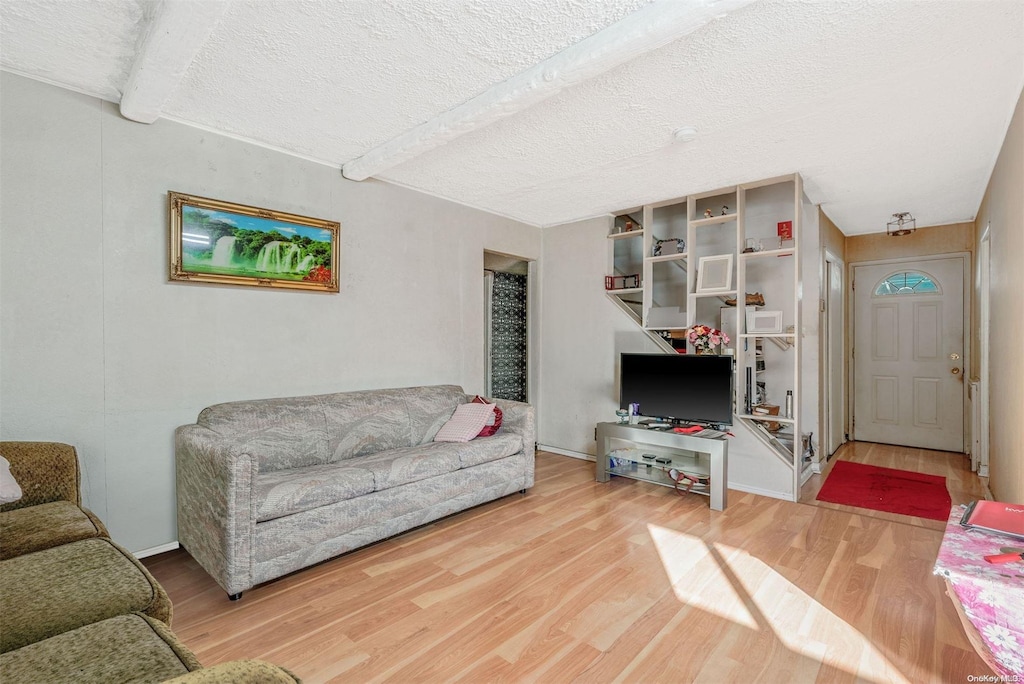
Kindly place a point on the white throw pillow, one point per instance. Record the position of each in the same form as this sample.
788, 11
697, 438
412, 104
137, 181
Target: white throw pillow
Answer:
9, 489
468, 421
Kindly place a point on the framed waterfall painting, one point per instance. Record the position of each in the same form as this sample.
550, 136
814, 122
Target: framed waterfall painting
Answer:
233, 244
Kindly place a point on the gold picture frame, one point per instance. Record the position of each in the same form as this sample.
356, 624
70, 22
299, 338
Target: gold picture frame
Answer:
212, 241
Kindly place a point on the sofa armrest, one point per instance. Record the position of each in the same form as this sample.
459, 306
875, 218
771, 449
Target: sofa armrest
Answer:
216, 520
45, 471
518, 418
238, 672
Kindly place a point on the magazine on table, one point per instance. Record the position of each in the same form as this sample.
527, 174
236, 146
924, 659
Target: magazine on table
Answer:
995, 516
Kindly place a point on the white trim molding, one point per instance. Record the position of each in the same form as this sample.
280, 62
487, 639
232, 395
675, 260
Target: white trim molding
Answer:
154, 550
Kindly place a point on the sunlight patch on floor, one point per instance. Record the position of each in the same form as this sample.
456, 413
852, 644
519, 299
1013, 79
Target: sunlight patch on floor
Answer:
730, 583
697, 578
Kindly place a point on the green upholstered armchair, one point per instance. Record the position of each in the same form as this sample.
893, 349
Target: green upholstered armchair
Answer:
46, 471
49, 512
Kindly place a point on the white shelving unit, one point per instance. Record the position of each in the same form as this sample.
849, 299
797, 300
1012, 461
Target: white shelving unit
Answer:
669, 304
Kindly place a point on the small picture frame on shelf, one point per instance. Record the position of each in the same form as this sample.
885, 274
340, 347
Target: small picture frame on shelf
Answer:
714, 273
621, 282
669, 246
764, 322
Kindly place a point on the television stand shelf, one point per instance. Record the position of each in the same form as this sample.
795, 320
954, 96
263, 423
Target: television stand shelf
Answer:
693, 455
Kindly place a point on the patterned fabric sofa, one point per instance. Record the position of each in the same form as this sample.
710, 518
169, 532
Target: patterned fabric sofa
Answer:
75, 606
268, 487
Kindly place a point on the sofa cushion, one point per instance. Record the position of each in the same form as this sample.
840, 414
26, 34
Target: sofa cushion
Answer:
373, 421
401, 466
361, 423
280, 433
49, 592
486, 449
283, 492
494, 422
125, 648
35, 528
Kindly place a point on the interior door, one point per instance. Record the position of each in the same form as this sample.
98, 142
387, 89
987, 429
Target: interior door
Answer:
908, 353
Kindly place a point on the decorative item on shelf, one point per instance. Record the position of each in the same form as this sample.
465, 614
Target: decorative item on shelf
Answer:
768, 410
626, 224
902, 224
752, 245
669, 246
725, 210
808, 441
623, 415
714, 273
707, 213
785, 230
621, 282
753, 299
764, 322
704, 338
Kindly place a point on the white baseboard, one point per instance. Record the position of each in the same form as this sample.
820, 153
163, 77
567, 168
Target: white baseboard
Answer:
154, 550
566, 452
760, 492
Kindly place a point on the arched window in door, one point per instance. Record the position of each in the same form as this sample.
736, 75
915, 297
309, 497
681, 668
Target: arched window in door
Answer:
907, 283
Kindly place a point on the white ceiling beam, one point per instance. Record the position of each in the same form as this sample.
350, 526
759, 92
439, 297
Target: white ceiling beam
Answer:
650, 28
172, 39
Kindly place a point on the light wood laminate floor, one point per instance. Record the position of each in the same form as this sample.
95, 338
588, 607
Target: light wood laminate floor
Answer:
588, 582
962, 484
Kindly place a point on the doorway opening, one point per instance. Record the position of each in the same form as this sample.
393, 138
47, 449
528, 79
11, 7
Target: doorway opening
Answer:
506, 326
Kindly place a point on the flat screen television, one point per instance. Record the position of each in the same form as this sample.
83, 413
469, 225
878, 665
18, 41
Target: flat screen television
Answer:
683, 387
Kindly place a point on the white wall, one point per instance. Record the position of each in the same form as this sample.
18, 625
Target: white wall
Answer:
1002, 214
98, 349
583, 333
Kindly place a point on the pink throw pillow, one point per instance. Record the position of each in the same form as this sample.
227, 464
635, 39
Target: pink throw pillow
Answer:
465, 424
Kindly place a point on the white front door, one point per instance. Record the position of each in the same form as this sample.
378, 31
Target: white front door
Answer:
908, 353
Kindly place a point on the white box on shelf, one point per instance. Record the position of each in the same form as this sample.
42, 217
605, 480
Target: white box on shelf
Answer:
764, 322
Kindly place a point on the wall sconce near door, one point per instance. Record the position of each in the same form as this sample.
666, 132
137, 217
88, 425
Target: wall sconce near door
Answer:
902, 224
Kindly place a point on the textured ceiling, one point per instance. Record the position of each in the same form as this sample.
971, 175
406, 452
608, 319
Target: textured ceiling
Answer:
883, 106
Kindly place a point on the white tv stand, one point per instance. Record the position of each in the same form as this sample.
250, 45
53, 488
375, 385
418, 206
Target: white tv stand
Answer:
691, 454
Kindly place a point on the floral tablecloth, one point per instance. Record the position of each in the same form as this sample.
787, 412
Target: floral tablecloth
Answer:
992, 596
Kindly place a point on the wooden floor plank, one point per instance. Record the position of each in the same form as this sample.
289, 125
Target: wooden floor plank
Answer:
602, 582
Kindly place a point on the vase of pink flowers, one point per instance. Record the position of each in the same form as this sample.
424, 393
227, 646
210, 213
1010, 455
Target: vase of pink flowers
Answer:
704, 338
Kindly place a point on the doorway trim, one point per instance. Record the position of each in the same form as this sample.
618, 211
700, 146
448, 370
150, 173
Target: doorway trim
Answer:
852, 316
984, 368
532, 318
832, 394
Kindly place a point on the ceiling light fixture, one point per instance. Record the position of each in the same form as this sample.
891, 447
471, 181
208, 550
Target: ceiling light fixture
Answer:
685, 134
902, 224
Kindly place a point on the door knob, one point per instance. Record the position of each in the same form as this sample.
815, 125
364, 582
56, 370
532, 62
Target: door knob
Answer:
955, 371
954, 356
